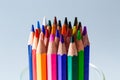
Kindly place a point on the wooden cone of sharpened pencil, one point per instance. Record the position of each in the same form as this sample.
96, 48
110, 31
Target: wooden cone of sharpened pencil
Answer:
72, 61
80, 50
62, 60
35, 43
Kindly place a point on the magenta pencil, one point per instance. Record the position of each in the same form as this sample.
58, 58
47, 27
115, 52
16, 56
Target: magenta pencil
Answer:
52, 59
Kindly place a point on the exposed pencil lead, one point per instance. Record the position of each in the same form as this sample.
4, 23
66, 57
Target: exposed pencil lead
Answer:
66, 21
79, 25
43, 29
61, 38
84, 31
38, 24
49, 23
75, 21
44, 21
59, 23
57, 33
32, 28
37, 33
79, 36
70, 25
55, 20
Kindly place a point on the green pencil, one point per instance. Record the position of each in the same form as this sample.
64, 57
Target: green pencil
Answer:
80, 50
72, 61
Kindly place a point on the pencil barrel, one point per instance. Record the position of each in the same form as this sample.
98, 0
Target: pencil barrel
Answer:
52, 68
44, 66
62, 67
72, 67
81, 65
86, 63
30, 62
34, 64
38, 61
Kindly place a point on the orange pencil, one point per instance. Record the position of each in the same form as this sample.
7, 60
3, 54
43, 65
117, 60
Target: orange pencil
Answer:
41, 59
35, 43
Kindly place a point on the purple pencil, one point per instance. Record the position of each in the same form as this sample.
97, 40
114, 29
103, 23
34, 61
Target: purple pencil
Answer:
62, 60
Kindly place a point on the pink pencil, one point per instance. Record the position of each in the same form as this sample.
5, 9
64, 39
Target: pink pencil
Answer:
52, 59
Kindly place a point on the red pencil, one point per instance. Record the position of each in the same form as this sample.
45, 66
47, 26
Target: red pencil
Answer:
35, 42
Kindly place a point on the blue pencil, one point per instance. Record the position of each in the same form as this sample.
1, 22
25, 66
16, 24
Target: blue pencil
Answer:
86, 54
62, 60
30, 41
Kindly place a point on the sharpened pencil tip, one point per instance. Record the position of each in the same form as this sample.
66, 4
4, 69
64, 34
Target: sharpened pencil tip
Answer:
43, 29
57, 33
79, 36
38, 24
72, 39
32, 28
49, 23
84, 31
79, 25
75, 21
61, 38
37, 33
66, 21
55, 20
59, 23
70, 25
44, 21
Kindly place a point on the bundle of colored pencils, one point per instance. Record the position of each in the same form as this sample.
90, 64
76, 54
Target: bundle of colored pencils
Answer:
58, 51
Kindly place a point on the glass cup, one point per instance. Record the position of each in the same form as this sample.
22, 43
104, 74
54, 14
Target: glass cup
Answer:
95, 73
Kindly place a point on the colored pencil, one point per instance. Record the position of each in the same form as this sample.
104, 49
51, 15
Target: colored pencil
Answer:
35, 42
52, 59
80, 27
72, 61
41, 59
30, 43
80, 50
86, 53
49, 26
59, 26
76, 22
62, 60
